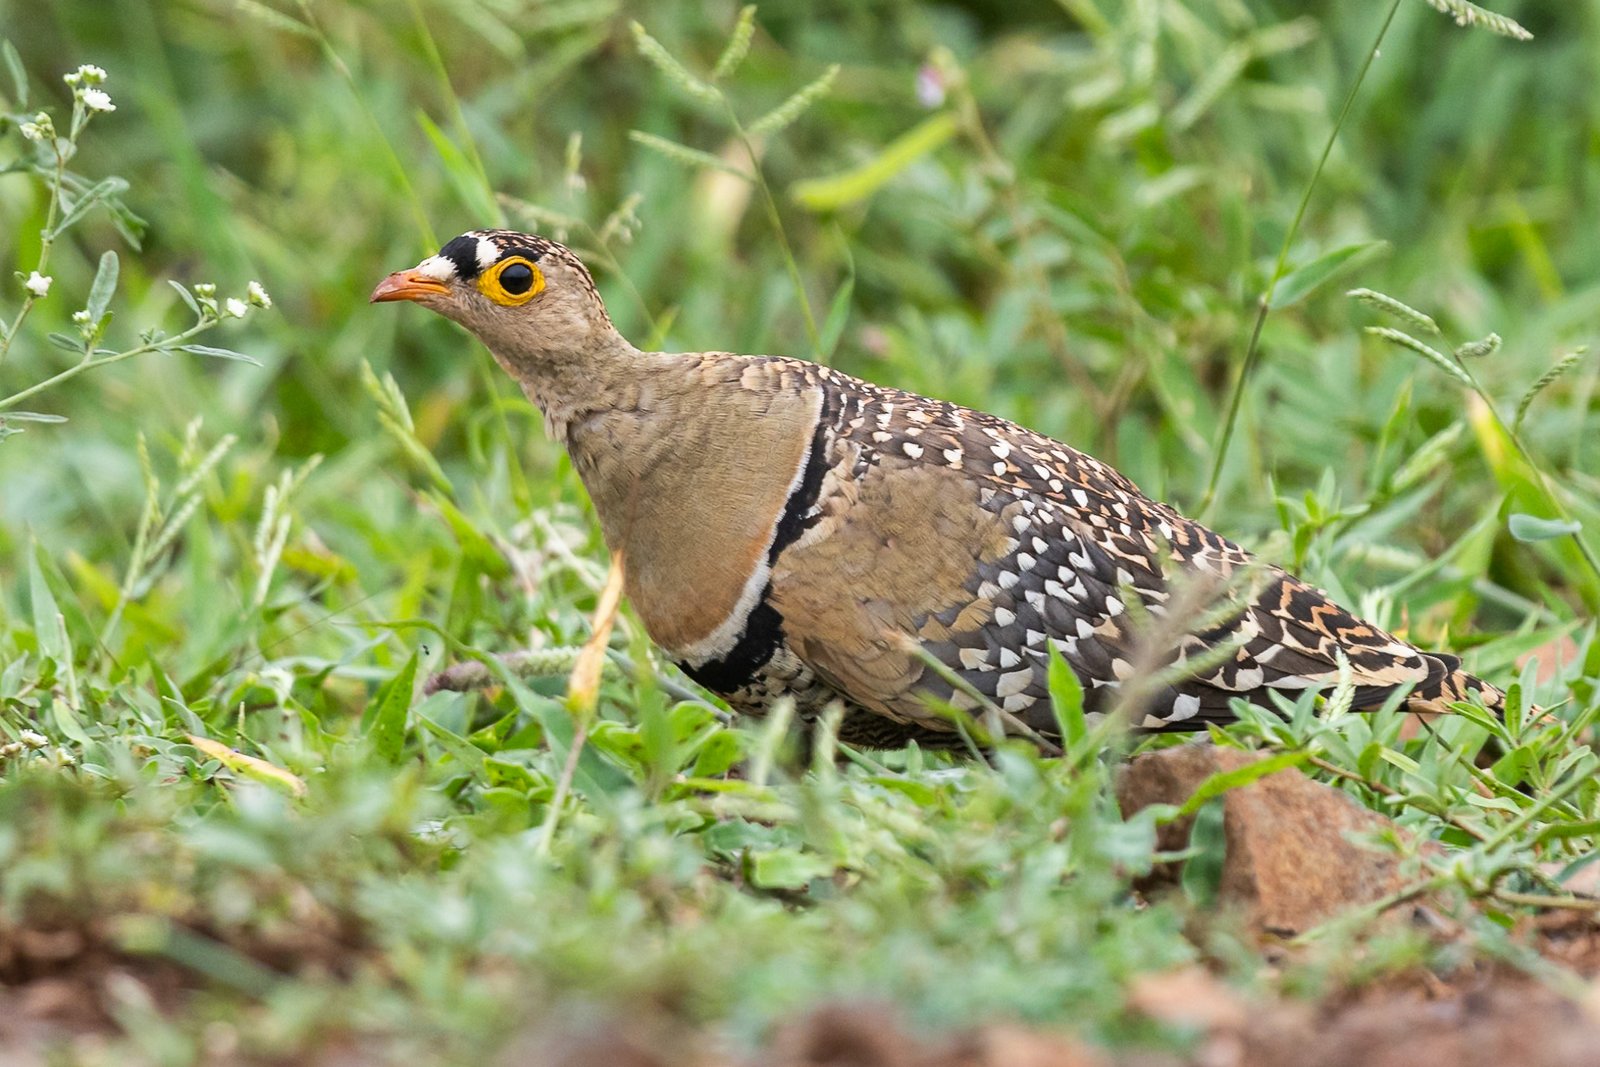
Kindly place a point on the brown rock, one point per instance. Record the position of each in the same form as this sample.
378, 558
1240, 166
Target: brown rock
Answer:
866, 1035
1011, 1045
838, 1035
1291, 862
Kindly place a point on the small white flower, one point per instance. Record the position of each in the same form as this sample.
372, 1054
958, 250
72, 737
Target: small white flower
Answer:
96, 100
206, 289
33, 740
88, 74
257, 295
39, 128
236, 307
38, 284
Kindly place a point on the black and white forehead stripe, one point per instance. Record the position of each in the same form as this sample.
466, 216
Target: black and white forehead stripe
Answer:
477, 250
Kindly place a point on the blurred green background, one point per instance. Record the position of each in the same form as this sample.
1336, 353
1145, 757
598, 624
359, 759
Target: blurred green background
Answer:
1064, 213
1082, 253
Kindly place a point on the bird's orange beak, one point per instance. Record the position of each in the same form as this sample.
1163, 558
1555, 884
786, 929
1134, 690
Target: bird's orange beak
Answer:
407, 285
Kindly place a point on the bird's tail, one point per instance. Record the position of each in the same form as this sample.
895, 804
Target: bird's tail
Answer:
1447, 683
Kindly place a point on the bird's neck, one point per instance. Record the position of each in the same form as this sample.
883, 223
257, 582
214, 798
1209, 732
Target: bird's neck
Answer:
576, 383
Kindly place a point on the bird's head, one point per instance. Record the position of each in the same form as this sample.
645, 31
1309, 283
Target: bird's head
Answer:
528, 298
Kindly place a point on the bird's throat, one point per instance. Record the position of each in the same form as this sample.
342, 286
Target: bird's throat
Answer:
570, 385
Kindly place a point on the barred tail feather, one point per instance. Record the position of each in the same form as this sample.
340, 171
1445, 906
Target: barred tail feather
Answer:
1447, 684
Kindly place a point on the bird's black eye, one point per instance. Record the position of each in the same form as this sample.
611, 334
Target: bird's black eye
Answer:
517, 279
511, 282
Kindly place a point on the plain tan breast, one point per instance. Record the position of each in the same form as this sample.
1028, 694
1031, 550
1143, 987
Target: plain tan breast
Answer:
690, 485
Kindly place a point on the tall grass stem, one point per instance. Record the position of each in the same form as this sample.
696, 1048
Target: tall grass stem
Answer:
1252, 355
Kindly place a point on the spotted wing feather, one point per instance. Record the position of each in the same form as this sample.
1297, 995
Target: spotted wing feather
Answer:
990, 546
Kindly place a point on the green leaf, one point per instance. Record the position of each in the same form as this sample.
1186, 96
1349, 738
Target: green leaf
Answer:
219, 353
784, 868
1223, 781
1512, 768
1208, 845
920, 792
167, 693
79, 629
32, 416
855, 185
104, 189
1307, 278
387, 726
1367, 761
720, 752
593, 777
466, 753
1532, 528
1066, 701
1401, 760
501, 772
105, 284
19, 76
733, 838
186, 296
67, 721
619, 741
52, 641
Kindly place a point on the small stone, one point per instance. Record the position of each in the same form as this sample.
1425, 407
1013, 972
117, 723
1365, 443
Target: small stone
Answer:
1291, 862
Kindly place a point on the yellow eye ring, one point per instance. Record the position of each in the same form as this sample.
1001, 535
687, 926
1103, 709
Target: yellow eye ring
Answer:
511, 282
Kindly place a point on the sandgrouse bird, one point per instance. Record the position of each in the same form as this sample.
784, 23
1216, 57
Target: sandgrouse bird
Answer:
790, 530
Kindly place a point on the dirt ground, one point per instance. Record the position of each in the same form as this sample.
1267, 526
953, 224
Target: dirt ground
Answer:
1496, 1018
1291, 861
60, 990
